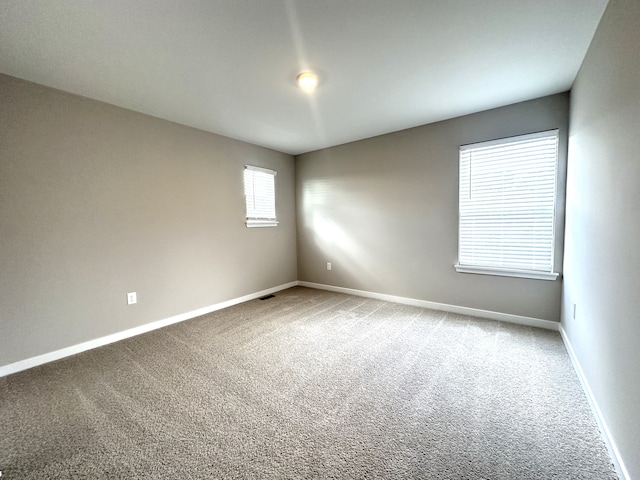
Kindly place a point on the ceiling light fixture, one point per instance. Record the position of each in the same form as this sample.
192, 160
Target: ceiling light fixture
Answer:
308, 81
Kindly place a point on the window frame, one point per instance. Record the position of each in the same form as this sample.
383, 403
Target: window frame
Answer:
252, 221
511, 271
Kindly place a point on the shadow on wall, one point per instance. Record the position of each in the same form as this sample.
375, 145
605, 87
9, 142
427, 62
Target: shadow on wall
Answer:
350, 254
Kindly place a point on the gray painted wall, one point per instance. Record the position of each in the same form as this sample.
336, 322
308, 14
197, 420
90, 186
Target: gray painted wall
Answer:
384, 211
602, 261
97, 201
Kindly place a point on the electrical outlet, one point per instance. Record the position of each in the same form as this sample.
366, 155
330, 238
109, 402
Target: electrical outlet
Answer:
574, 311
328, 265
132, 298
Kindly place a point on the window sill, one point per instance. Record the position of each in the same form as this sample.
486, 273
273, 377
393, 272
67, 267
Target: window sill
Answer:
261, 223
507, 273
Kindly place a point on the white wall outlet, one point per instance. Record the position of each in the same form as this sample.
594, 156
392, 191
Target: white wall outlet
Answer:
328, 265
574, 311
132, 298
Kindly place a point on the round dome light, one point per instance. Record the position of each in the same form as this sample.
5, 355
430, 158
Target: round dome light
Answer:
307, 81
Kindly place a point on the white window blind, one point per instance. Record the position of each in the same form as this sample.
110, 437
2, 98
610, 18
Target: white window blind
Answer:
507, 206
260, 195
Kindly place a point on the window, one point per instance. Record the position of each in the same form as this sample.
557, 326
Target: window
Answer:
507, 201
260, 195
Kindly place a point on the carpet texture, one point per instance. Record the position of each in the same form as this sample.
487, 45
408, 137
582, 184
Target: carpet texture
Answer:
308, 384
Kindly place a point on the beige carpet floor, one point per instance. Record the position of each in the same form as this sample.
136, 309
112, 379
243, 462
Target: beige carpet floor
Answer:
308, 384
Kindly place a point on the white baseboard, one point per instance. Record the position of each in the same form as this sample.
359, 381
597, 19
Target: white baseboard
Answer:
597, 413
99, 342
504, 317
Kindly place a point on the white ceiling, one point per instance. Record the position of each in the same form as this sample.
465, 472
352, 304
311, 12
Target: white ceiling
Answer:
229, 66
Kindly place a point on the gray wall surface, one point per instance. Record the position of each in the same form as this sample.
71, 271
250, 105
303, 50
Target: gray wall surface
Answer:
602, 261
97, 201
384, 211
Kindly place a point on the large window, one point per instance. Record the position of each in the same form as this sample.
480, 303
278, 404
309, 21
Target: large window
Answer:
507, 206
260, 195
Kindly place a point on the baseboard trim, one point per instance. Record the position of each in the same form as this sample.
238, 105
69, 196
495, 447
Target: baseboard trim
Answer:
503, 317
132, 332
595, 408
99, 342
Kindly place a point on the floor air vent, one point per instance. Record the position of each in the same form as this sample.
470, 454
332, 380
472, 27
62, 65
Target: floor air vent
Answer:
267, 297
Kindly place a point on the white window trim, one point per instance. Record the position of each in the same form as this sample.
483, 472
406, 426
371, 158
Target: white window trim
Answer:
261, 222
506, 272
251, 223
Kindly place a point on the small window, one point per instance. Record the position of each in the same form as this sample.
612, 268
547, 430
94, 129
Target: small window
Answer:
507, 202
260, 194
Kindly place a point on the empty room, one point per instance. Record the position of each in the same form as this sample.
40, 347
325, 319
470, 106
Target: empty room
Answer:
319, 239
